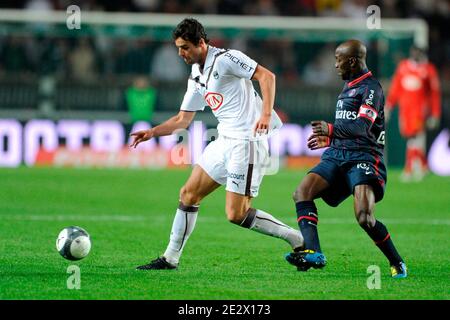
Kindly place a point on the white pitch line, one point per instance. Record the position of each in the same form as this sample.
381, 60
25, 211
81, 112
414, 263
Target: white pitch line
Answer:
120, 218
163, 217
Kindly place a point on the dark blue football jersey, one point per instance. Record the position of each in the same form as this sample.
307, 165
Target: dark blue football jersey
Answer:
359, 121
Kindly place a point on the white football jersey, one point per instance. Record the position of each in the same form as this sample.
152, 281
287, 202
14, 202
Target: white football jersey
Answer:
225, 86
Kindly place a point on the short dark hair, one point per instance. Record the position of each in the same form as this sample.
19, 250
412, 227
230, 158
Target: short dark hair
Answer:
190, 30
419, 49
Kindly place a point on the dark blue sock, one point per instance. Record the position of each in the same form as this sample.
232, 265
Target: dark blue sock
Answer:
380, 235
307, 219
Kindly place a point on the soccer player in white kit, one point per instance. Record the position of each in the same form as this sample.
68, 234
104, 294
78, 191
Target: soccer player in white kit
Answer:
221, 79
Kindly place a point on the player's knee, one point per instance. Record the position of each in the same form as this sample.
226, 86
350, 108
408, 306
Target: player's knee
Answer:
188, 197
295, 196
303, 193
365, 218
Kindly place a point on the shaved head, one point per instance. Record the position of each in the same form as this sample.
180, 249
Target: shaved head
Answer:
353, 48
350, 58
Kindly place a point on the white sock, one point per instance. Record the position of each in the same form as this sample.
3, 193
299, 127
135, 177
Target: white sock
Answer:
265, 223
182, 227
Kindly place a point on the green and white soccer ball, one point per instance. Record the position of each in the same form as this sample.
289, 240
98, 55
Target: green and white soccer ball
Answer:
73, 243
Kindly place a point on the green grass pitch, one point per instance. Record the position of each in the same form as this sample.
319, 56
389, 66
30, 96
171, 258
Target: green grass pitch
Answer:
129, 213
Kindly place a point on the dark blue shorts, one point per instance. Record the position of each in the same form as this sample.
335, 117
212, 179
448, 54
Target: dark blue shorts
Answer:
345, 169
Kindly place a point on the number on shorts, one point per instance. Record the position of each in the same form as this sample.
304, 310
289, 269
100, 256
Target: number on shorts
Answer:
381, 138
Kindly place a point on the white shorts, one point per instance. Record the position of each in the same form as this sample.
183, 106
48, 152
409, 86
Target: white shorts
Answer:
238, 164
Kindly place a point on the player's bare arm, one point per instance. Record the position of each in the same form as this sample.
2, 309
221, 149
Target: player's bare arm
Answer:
266, 81
180, 121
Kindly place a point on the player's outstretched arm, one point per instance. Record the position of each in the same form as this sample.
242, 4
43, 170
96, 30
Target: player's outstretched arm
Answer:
359, 128
180, 121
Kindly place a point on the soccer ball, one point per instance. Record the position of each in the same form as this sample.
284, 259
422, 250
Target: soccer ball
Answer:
73, 243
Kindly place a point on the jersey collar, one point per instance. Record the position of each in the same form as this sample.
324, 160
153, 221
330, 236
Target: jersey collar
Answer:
196, 67
209, 59
366, 74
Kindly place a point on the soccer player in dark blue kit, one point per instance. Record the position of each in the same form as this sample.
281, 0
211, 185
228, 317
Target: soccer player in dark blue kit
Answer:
353, 163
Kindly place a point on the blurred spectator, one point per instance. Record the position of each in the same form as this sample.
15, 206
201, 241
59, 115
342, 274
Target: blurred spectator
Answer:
354, 9
389, 9
240, 43
146, 5
133, 56
41, 5
130, 57
415, 88
119, 56
105, 53
140, 100
167, 65
82, 61
262, 8
329, 8
13, 56
288, 63
53, 58
171, 6
319, 71
204, 7
277, 55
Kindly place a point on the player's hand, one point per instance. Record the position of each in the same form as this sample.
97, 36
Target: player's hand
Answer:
262, 126
433, 123
141, 136
318, 142
321, 128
